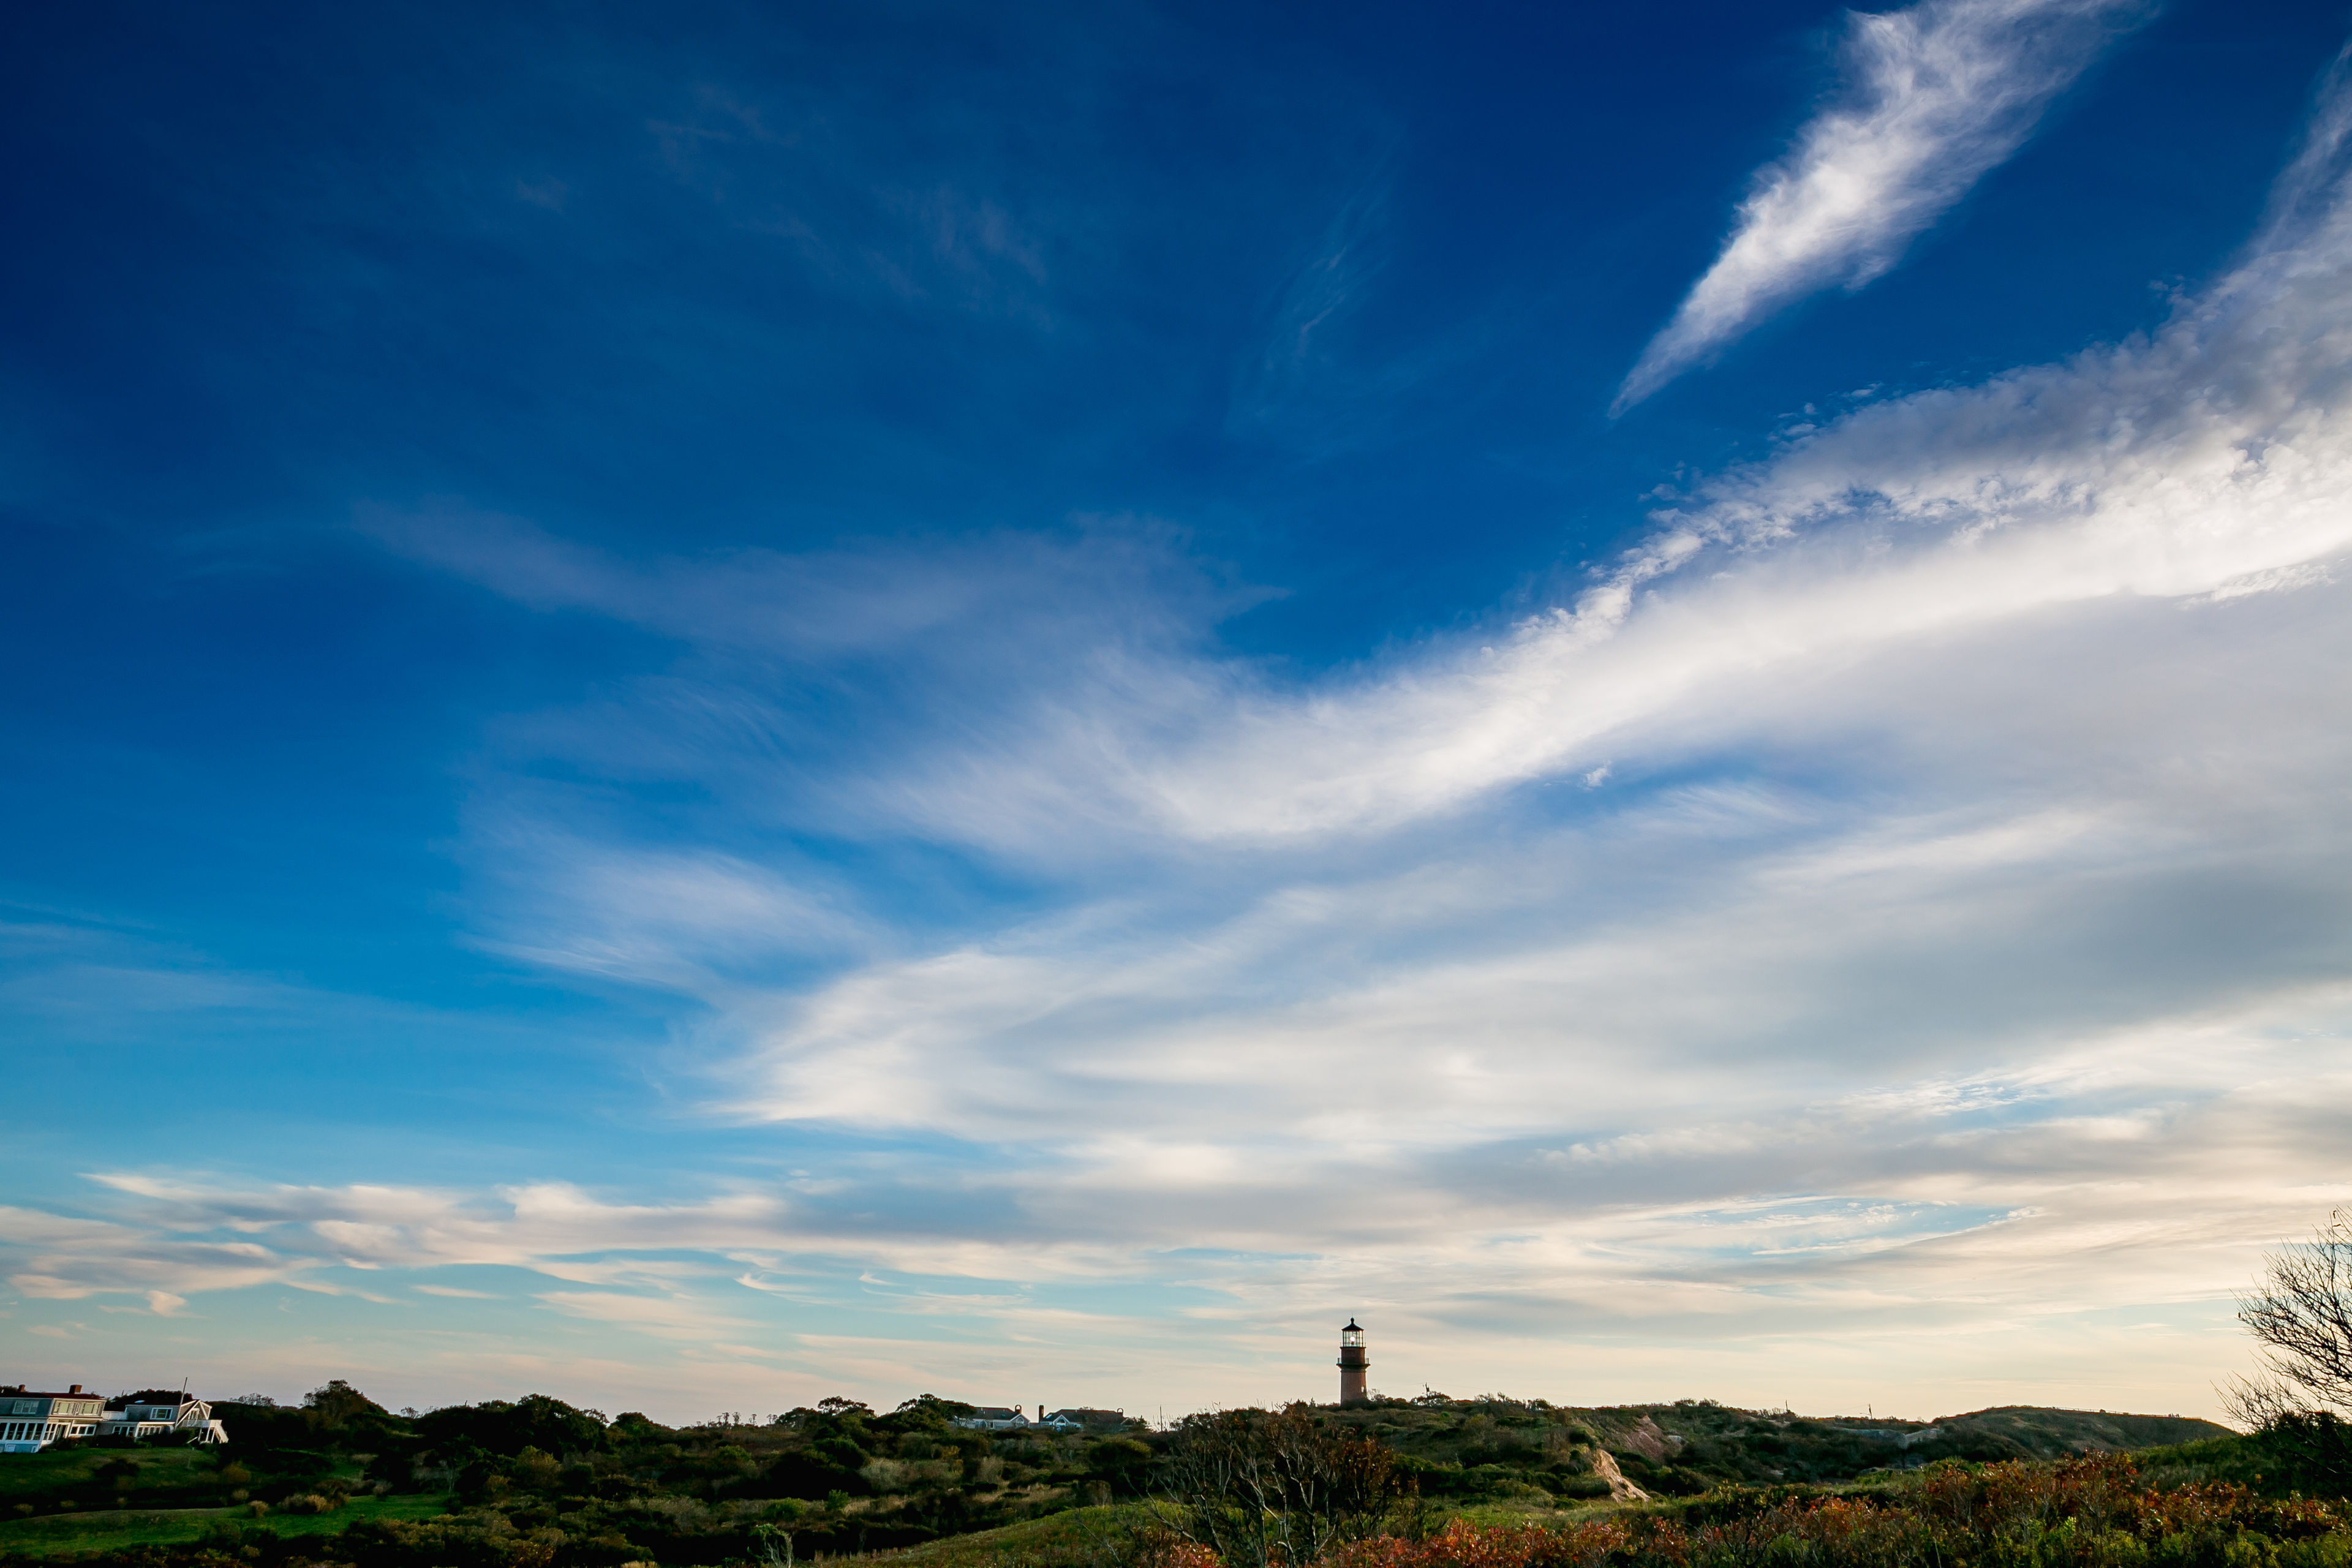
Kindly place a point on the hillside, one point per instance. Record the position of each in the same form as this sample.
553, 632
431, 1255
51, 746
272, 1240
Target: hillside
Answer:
1498, 1448
2040, 1432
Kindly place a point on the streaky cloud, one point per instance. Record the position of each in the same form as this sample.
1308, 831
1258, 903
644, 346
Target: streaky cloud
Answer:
1908, 889
2205, 461
1937, 96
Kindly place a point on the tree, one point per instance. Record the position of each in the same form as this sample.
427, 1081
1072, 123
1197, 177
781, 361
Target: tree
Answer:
1260, 1490
2301, 1312
338, 1404
826, 1465
1120, 1463
924, 1413
508, 1427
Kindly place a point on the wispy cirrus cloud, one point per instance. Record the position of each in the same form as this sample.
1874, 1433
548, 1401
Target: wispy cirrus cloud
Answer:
2207, 463
1935, 96
1907, 887
1857, 797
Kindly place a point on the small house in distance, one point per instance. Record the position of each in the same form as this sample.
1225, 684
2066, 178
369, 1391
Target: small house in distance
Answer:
1010, 1418
31, 1420
1079, 1417
994, 1418
164, 1412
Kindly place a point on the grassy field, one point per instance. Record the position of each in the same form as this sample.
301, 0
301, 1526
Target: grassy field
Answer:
1079, 1536
55, 1469
99, 1531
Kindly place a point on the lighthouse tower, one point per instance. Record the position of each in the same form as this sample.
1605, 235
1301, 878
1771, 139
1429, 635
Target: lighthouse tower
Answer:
1353, 1364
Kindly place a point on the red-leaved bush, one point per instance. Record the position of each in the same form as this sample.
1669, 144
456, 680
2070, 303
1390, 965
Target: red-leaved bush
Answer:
2090, 1512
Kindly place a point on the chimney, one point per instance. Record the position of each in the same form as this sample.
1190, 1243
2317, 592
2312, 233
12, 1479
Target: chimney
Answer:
73, 1388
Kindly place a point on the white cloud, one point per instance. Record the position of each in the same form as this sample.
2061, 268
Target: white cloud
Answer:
2211, 459
1956, 941
1937, 95
636, 915
1810, 1242
662, 1317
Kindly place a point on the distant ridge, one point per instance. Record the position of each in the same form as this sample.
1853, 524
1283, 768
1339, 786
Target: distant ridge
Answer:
2045, 1432
1496, 1445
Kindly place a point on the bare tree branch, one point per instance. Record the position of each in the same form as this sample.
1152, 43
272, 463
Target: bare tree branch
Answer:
2301, 1312
1263, 1489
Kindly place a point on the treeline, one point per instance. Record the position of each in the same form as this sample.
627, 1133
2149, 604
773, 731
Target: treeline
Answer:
537, 1479
538, 1483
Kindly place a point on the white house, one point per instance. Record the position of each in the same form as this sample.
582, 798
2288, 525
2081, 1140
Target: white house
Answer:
30, 1421
1084, 1417
159, 1412
994, 1418
1004, 1419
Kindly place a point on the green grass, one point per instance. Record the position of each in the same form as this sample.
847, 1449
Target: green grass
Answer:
1076, 1536
102, 1531
23, 1474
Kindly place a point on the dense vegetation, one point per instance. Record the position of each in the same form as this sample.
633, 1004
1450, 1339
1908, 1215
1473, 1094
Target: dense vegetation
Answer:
2094, 1512
1495, 1447
536, 1483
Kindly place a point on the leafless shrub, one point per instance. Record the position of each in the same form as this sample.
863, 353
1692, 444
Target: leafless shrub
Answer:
1260, 1490
2301, 1312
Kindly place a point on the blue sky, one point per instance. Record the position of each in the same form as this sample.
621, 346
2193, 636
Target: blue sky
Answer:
718, 704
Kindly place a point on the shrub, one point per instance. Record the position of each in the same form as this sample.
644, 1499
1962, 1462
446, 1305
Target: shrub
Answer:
510, 1426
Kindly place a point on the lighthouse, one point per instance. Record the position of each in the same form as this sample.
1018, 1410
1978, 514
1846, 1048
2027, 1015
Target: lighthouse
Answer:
1352, 1364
